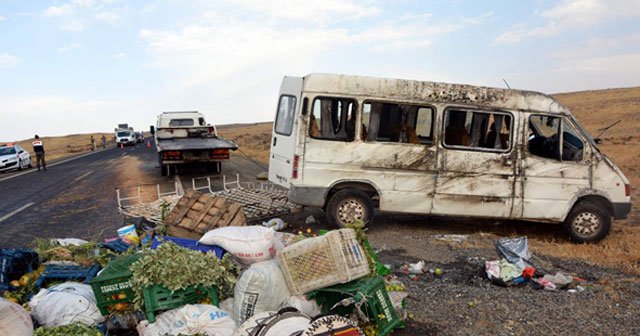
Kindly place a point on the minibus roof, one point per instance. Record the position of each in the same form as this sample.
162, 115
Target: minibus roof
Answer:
433, 92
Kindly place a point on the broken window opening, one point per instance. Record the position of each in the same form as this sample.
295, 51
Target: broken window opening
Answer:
392, 122
488, 131
333, 119
544, 139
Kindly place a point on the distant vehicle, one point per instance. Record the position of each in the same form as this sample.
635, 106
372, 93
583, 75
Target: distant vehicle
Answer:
125, 135
350, 144
185, 137
139, 137
13, 156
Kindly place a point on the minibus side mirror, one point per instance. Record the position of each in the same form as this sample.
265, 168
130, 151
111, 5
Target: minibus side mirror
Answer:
598, 141
152, 130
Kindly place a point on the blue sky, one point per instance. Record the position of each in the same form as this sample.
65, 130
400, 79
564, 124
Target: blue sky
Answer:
80, 66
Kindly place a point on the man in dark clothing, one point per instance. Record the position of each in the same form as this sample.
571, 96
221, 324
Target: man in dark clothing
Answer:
38, 147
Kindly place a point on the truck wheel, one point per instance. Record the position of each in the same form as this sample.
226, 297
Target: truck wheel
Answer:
348, 205
587, 222
165, 170
214, 168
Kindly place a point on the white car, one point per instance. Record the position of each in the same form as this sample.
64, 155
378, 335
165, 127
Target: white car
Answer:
13, 156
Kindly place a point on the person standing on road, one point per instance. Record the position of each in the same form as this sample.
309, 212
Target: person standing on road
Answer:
93, 143
38, 147
104, 142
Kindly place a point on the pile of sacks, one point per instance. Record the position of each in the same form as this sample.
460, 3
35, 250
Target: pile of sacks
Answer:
516, 268
263, 302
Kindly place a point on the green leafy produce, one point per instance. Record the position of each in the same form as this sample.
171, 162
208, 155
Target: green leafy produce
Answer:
76, 329
175, 268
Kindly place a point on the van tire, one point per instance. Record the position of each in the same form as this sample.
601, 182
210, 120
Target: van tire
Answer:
348, 205
587, 222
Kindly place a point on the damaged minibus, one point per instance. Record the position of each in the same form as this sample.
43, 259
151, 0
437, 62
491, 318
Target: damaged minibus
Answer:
352, 144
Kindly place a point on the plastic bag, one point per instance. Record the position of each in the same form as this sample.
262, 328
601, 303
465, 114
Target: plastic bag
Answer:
275, 223
260, 288
64, 304
248, 244
190, 320
14, 320
71, 241
515, 250
301, 303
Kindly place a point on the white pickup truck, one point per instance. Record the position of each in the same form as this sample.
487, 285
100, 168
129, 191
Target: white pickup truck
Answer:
185, 138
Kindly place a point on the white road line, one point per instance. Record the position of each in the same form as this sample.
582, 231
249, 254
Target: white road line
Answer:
123, 154
15, 211
82, 176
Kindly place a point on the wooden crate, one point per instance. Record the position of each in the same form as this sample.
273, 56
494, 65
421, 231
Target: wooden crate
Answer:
196, 213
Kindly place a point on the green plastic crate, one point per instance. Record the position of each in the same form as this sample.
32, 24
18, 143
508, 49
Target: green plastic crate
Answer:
371, 291
114, 282
158, 298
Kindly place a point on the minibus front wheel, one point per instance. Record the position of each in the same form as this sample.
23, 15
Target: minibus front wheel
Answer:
588, 222
348, 205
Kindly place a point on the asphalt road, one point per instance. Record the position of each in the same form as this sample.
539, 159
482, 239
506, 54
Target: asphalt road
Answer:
77, 198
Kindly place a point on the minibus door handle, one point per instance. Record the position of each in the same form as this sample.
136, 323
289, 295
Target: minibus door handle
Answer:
274, 141
507, 161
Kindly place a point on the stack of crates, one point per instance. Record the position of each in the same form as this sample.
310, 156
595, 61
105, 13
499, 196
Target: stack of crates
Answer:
158, 298
113, 285
62, 273
14, 263
369, 295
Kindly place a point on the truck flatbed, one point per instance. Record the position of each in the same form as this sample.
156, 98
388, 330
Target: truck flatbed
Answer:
194, 144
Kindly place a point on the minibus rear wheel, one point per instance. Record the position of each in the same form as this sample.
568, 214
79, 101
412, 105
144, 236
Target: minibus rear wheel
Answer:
587, 222
348, 205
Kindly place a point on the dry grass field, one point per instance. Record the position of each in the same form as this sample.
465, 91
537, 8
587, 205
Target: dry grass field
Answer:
63, 146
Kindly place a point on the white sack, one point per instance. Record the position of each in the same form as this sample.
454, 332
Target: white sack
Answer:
65, 304
190, 320
14, 320
260, 288
248, 244
227, 307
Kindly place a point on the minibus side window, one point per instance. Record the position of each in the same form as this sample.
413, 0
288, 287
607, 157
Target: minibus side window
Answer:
487, 131
286, 112
543, 138
333, 119
393, 122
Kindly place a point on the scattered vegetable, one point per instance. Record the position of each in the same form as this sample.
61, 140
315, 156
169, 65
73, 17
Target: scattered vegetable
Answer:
177, 268
76, 329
